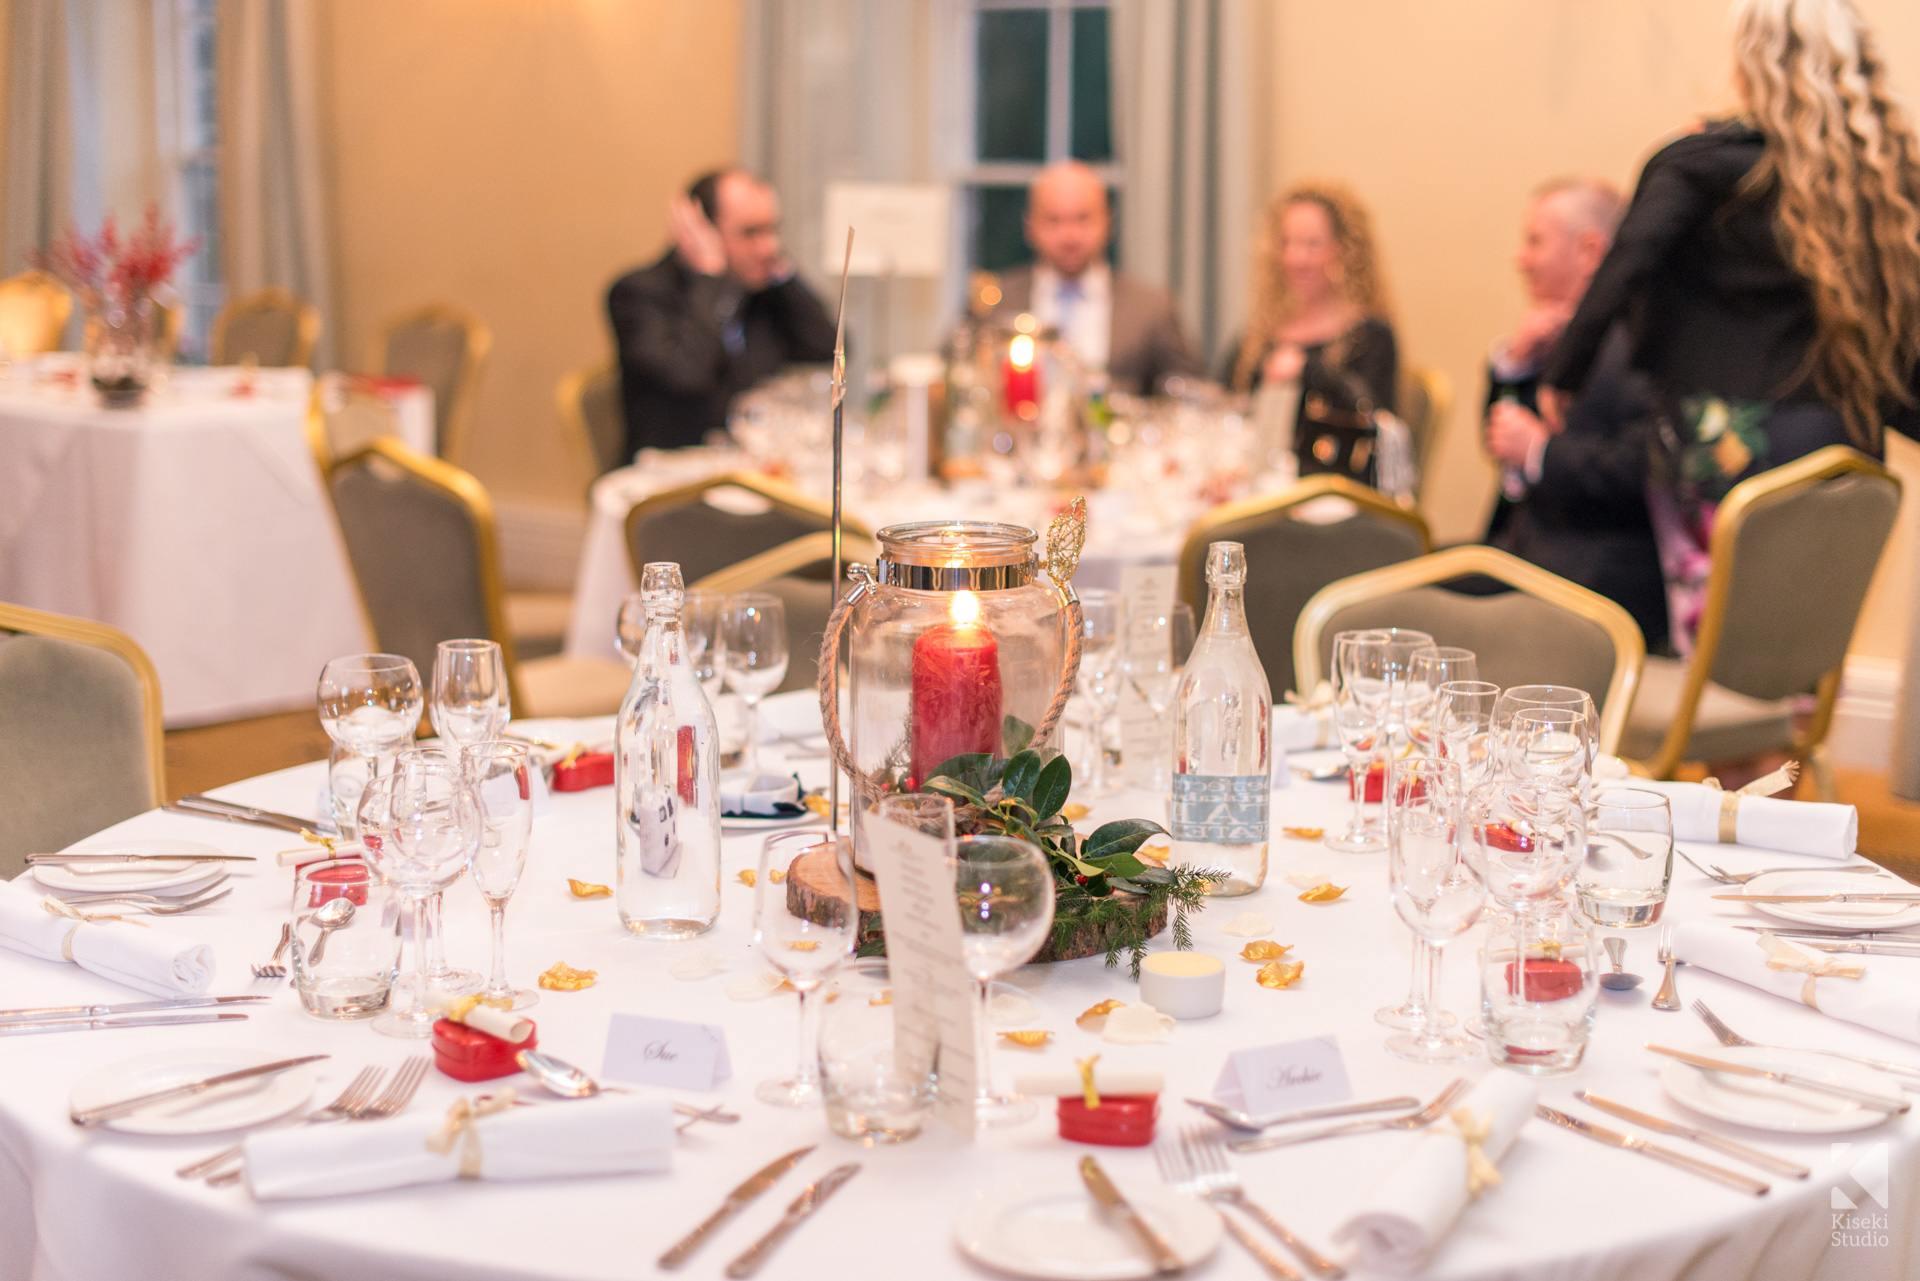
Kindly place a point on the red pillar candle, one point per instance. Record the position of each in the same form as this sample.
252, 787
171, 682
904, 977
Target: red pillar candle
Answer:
956, 689
1021, 378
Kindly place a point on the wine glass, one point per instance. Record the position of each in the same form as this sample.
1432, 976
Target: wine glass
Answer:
804, 944
369, 705
445, 980
1360, 694
1462, 721
1517, 698
1005, 893
1527, 839
1431, 668
753, 636
471, 701
1101, 659
1437, 889
1157, 649
700, 614
1403, 643
420, 825
1552, 745
502, 780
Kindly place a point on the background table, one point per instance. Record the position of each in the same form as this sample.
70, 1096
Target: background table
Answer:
197, 525
81, 1205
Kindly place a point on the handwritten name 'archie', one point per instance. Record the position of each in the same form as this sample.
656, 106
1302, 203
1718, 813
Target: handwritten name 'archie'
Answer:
1288, 1075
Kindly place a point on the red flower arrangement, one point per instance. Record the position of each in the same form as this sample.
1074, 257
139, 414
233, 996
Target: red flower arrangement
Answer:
106, 271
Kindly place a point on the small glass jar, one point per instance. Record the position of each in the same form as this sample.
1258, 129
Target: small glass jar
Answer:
1539, 980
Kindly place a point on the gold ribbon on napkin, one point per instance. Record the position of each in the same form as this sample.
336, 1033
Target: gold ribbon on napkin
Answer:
1482, 1173
1086, 1079
461, 1118
60, 907
1320, 704
1782, 955
1766, 785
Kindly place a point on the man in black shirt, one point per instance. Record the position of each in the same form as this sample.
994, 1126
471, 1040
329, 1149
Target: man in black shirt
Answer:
719, 312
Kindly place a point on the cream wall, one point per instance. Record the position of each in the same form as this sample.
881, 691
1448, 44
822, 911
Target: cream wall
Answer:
1444, 116
514, 156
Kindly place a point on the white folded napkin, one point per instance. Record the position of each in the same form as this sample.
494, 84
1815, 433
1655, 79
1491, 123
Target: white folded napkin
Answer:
1409, 1213
1886, 996
764, 796
150, 958
609, 1134
1793, 827
1300, 729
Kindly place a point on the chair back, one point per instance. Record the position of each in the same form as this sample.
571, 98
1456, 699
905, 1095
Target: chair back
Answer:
591, 409
799, 573
358, 420
1793, 552
80, 736
708, 526
34, 307
425, 549
1546, 631
1322, 529
1426, 398
446, 348
273, 325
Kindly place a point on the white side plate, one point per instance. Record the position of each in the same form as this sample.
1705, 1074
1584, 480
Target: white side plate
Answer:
1054, 1230
1770, 1105
228, 1107
133, 876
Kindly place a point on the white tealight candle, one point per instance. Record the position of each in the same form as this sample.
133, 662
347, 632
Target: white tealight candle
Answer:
1187, 985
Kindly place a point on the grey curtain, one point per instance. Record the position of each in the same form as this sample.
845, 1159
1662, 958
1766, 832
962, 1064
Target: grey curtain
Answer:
39, 170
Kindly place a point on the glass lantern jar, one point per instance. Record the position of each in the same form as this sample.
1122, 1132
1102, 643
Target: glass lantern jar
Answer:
957, 647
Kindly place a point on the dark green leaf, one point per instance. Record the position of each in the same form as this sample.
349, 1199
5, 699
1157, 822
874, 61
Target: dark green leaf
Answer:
1023, 771
1123, 865
1015, 734
978, 770
1050, 792
954, 789
1123, 836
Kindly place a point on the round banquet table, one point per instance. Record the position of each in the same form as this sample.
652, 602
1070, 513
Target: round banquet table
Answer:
196, 524
79, 1205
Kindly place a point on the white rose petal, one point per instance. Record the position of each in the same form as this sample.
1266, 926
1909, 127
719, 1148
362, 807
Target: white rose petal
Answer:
1308, 880
1137, 1024
1248, 925
1012, 1006
755, 987
703, 964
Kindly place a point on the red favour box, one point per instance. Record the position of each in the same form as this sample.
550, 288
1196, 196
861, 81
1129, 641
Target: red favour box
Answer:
1121, 1120
589, 769
469, 1055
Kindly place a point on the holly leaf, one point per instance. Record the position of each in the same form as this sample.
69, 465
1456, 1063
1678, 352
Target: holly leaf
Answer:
1022, 773
1122, 836
1015, 734
978, 770
1050, 791
1122, 866
953, 789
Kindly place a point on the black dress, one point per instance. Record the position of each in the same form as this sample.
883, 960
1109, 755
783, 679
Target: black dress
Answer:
1365, 358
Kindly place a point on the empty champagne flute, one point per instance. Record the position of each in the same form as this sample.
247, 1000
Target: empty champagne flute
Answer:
1101, 660
1436, 888
1157, 646
753, 638
1360, 693
445, 981
501, 773
1430, 668
1404, 785
804, 946
370, 707
1005, 891
471, 702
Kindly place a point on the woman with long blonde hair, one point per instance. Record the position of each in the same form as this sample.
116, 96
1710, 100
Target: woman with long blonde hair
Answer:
1769, 269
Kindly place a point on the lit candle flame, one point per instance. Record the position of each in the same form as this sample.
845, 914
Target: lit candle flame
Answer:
966, 608
1020, 352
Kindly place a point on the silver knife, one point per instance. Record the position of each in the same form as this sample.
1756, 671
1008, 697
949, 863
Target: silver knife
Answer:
100, 1025
124, 1007
1634, 1143
201, 800
1706, 1138
1242, 1121
1865, 1098
806, 1203
737, 1200
1821, 898
229, 816
1838, 932
1165, 1261
141, 858
1860, 947
109, 1111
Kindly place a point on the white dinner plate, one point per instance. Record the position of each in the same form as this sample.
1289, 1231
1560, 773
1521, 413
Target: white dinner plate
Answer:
772, 823
1054, 1230
132, 876
1770, 1105
1859, 915
228, 1107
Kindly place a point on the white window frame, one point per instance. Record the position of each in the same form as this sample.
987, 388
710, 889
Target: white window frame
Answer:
177, 23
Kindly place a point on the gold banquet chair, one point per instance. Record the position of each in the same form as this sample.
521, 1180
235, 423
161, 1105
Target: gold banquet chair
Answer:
34, 307
593, 414
1546, 631
1322, 529
446, 348
273, 325
426, 550
80, 735
1426, 398
799, 573
708, 526
1793, 551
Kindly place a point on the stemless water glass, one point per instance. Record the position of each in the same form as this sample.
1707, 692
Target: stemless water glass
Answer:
1102, 658
1360, 693
1462, 721
471, 703
1005, 893
1157, 646
876, 1089
803, 945
370, 706
1539, 984
1432, 667
753, 638
1436, 888
502, 778
1623, 880
344, 969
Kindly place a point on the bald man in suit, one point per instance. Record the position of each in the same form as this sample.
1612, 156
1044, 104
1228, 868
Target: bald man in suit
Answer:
1120, 327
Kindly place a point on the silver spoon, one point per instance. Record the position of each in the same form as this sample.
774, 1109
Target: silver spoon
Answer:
1617, 979
331, 915
557, 1076
1323, 774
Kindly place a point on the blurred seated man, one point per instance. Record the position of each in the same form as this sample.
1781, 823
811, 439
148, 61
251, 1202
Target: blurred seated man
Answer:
1574, 503
720, 311
1120, 327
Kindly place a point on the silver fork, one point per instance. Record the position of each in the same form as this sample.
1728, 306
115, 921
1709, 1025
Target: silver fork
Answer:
1715, 875
273, 969
82, 897
1206, 1156
1741, 878
1668, 997
150, 907
1426, 1116
358, 1091
1728, 1036
1177, 1170
392, 1101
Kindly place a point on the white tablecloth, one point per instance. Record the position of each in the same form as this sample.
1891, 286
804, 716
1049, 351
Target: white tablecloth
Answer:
196, 524
76, 1206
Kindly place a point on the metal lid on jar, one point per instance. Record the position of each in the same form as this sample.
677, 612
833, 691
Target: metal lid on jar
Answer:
957, 556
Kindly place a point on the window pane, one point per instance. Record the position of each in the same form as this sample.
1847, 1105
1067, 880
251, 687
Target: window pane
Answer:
1092, 119
999, 239
1011, 87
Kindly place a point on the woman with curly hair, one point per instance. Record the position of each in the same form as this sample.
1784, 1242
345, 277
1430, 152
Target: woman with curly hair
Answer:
1769, 271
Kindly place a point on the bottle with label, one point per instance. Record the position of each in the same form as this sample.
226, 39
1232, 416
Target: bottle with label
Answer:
666, 778
1223, 739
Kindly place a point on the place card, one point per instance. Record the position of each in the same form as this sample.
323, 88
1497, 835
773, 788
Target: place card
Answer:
933, 995
1284, 1077
667, 1052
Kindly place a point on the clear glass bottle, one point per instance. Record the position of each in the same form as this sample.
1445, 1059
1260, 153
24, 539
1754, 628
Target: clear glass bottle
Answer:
666, 779
1222, 744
